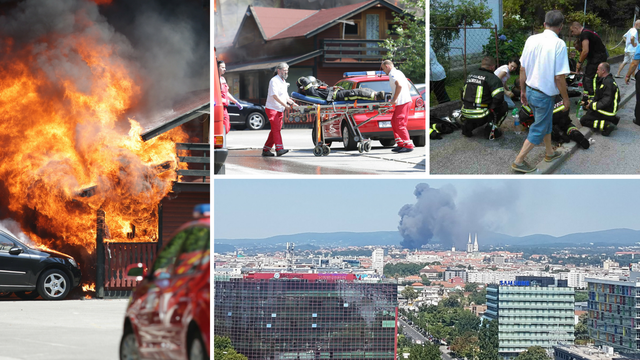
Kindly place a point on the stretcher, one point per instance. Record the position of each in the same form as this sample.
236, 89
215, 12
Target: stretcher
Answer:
332, 111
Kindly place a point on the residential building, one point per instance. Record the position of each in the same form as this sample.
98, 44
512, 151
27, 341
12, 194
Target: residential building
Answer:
377, 261
573, 352
614, 318
450, 273
307, 316
531, 311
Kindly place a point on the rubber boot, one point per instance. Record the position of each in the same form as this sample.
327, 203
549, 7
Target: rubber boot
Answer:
577, 136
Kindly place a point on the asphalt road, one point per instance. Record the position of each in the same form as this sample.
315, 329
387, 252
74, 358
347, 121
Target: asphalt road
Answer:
61, 330
409, 331
245, 148
456, 154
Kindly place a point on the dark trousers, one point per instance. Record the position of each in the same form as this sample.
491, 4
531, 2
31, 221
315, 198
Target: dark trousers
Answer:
637, 112
440, 90
354, 94
593, 120
590, 73
497, 117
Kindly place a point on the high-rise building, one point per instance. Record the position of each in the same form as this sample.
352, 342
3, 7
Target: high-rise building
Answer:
307, 316
531, 311
614, 318
377, 261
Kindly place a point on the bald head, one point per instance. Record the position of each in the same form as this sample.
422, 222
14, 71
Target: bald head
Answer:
637, 24
575, 28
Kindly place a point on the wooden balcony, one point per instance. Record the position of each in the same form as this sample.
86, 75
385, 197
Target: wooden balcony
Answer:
354, 51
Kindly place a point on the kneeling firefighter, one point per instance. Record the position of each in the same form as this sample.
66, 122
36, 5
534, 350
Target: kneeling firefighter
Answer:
602, 109
483, 101
312, 88
563, 130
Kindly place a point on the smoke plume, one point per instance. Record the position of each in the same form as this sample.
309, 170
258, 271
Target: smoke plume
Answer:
438, 213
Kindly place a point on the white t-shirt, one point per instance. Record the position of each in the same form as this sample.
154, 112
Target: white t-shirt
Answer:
627, 37
405, 94
278, 87
504, 68
544, 56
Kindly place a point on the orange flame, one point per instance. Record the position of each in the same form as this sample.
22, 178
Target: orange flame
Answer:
63, 130
89, 287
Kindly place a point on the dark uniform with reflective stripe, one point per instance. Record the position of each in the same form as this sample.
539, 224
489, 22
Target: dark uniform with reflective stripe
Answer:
483, 103
563, 129
601, 114
334, 94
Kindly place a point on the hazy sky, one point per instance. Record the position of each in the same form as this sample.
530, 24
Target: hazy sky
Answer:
263, 208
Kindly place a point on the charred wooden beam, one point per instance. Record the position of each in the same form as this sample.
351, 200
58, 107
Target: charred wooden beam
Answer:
165, 166
195, 159
176, 122
193, 146
88, 191
100, 270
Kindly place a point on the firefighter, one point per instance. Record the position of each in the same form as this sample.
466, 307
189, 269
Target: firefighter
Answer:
601, 110
311, 88
563, 130
483, 101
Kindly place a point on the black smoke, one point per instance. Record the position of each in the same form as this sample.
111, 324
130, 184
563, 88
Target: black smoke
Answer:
164, 43
438, 213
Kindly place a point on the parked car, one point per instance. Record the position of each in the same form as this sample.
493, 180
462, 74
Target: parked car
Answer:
168, 315
251, 116
380, 128
31, 272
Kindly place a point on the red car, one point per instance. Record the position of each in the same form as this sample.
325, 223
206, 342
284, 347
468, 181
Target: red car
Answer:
168, 315
380, 128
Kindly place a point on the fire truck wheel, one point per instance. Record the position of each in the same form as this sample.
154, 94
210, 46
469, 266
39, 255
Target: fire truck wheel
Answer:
196, 347
54, 284
128, 345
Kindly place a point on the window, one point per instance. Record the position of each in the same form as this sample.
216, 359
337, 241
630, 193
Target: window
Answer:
195, 250
163, 266
351, 29
5, 244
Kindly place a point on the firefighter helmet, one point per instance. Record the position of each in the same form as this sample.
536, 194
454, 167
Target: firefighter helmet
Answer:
304, 83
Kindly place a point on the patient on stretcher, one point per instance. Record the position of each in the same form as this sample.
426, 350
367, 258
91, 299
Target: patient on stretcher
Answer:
312, 88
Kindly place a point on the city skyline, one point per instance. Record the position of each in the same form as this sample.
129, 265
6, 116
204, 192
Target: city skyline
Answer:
558, 207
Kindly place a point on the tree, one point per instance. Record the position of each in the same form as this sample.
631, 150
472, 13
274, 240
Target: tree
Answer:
410, 42
422, 352
223, 349
410, 293
488, 340
453, 14
470, 287
466, 345
581, 330
404, 342
581, 296
533, 353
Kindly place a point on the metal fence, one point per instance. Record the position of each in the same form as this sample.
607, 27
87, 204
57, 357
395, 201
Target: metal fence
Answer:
459, 50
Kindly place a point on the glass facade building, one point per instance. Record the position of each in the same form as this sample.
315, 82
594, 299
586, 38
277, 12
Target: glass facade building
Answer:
307, 316
614, 314
530, 315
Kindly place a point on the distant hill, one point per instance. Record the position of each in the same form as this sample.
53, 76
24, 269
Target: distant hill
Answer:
613, 237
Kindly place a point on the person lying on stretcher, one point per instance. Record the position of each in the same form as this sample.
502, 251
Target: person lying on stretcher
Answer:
312, 88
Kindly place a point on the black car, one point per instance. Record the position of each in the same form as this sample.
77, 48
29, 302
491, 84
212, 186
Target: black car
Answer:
29, 272
251, 116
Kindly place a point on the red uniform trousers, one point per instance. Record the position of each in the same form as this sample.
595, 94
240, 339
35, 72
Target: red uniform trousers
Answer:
226, 121
399, 122
275, 138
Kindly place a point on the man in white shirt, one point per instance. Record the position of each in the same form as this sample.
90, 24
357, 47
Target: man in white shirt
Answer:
631, 41
277, 101
544, 66
402, 103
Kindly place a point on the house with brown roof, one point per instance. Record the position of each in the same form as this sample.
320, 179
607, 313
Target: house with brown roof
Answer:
322, 43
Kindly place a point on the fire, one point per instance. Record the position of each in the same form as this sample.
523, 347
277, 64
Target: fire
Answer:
89, 287
63, 100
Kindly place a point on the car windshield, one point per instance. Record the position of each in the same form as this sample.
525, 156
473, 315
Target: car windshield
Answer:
15, 239
384, 86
